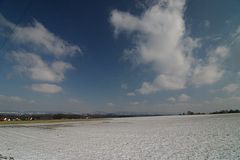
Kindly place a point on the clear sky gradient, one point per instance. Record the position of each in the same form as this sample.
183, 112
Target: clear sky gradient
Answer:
157, 56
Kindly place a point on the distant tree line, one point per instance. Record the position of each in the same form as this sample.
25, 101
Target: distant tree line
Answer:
192, 113
216, 112
25, 117
17, 116
226, 111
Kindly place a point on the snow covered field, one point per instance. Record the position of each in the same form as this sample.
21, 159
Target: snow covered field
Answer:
168, 137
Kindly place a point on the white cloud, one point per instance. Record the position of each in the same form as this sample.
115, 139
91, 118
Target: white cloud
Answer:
236, 36
46, 88
27, 40
162, 82
212, 71
11, 98
230, 88
161, 41
7, 100
171, 99
183, 98
38, 38
131, 94
33, 66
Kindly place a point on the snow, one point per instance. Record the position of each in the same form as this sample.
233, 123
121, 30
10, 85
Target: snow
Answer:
153, 138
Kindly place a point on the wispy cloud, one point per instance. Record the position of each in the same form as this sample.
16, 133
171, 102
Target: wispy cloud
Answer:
183, 98
171, 99
46, 88
36, 36
134, 103
131, 94
74, 101
33, 67
206, 23
14, 101
110, 104
210, 71
124, 86
230, 88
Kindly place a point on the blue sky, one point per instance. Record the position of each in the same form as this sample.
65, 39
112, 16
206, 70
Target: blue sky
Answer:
160, 56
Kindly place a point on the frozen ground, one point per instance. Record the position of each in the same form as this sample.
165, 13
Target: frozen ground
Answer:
170, 137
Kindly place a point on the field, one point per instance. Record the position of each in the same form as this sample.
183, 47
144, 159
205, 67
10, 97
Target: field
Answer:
155, 138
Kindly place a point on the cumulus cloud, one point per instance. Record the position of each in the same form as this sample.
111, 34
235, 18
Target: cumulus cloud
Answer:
162, 41
162, 82
46, 88
183, 98
230, 88
211, 71
38, 37
171, 99
33, 67
28, 43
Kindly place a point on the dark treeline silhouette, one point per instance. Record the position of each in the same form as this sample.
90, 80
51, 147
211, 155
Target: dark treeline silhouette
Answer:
216, 112
226, 111
192, 113
16, 116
